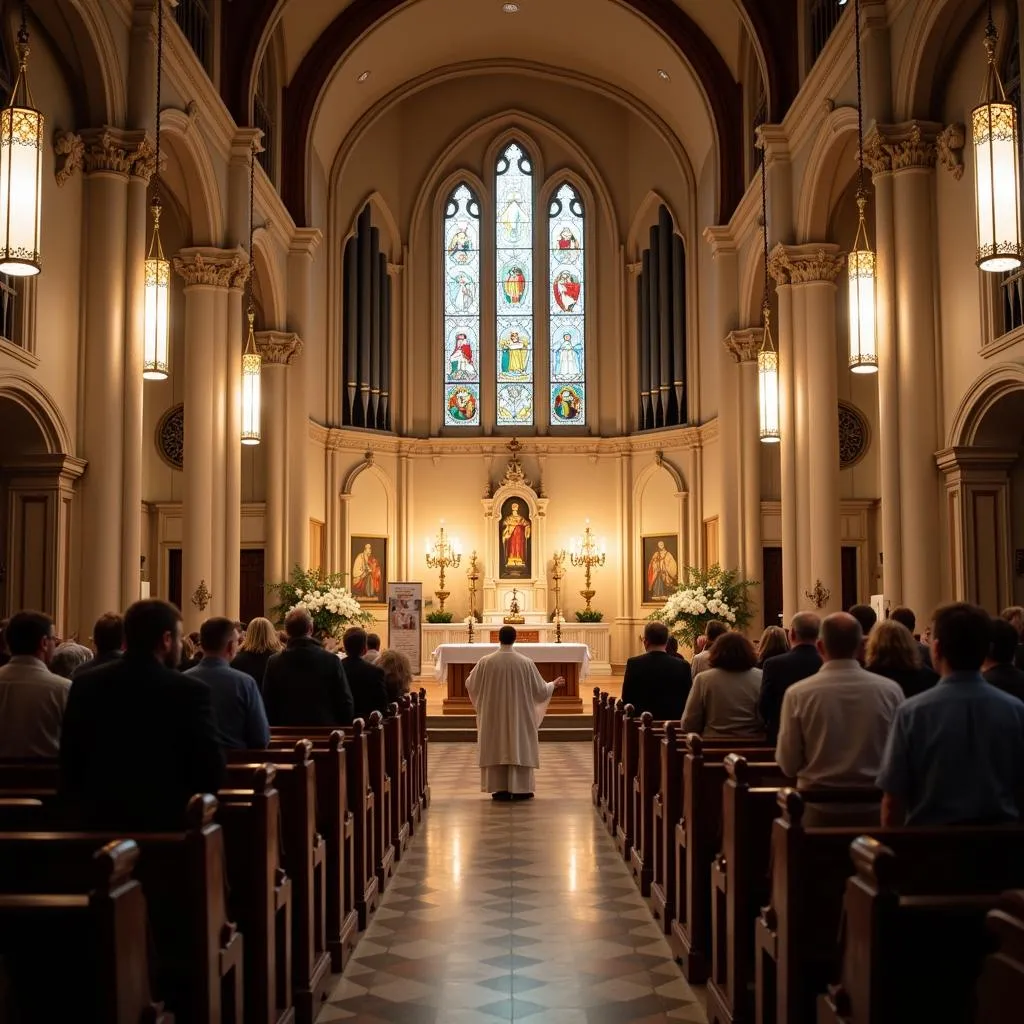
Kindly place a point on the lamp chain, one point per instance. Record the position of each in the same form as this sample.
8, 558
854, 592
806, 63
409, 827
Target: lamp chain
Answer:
764, 222
159, 77
252, 201
860, 105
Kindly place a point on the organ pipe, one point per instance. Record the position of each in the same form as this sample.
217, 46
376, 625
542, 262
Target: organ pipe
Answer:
373, 378
365, 264
351, 330
664, 312
679, 327
646, 419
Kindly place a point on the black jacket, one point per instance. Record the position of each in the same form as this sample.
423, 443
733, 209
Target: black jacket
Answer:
253, 663
138, 741
306, 685
366, 682
1009, 679
98, 662
657, 682
912, 681
778, 675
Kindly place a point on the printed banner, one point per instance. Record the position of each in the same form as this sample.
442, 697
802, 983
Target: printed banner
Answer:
405, 615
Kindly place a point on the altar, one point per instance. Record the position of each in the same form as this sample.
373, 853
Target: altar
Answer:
454, 662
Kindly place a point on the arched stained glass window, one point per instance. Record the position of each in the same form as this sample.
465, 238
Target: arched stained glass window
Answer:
462, 309
514, 263
566, 310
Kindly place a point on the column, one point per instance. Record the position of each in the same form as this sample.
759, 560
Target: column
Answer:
878, 160
305, 242
814, 269
278, 350
207, 274
725, 285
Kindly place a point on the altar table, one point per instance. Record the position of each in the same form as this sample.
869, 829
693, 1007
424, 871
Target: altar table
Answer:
454, 662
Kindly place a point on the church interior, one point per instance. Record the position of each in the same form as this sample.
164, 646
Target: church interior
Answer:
514, 312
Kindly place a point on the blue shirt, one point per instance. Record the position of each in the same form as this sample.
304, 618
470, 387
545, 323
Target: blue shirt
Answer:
237, 705
955, 754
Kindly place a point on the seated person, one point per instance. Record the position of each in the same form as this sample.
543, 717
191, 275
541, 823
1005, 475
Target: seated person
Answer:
655, 681
723, 701
956, 752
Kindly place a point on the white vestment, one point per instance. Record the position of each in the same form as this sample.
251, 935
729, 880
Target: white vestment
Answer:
510, 698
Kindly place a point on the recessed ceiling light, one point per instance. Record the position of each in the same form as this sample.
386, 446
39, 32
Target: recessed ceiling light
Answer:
363, 76
664, 75
510, 8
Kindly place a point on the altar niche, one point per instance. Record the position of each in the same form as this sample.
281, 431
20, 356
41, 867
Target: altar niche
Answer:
515, 541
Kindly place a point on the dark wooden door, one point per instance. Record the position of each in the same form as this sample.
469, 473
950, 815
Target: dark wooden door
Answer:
251, 598
771, 586
849, 569
174, 577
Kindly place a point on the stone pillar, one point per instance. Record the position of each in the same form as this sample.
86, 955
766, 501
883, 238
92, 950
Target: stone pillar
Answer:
207, 274
300, 319
725, 285
278, 350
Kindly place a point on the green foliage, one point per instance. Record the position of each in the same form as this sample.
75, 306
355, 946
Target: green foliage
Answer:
440, 616
325, 596
589, 615
714, 593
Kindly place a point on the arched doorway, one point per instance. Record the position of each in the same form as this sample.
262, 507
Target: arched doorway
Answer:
37, 482
984, 474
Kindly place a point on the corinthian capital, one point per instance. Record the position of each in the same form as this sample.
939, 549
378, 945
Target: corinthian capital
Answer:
805, 264
915, 144
744, 345
278, 348
211, 268
106, 149
778, 267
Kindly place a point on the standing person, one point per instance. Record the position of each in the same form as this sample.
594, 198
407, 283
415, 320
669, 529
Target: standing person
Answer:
712, 631
5, 654
258, 647
304, 684
723, 701
366, 681
140, 738
237, 704
774, 641
108, 639
397, 671
372, 654
32, 698
867, 617
956, 752
998, 668
778, 674
69, 658
1014, 615
893, 652
655, 681
905, 616
510, 697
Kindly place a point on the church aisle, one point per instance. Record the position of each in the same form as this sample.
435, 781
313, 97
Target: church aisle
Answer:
519, 911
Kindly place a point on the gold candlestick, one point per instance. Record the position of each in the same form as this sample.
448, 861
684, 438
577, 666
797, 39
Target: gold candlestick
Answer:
474, 575
443, 555
587, 553
558, 574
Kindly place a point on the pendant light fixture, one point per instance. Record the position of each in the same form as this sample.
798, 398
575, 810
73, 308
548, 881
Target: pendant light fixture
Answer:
861, 263
21, 172
156, 364
767, 357
994, 130
252, 362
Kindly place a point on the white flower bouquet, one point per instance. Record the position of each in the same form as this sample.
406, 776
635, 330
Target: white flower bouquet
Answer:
329, 603
712, 594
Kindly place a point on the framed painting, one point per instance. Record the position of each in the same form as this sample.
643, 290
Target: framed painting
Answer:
660, 563
515, 546
368, 569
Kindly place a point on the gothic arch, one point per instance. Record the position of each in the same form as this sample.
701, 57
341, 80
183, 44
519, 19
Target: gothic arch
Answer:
646, 215
823, 166
983, 395
271, 286
39, 404
206, 216
384, 219
101, 65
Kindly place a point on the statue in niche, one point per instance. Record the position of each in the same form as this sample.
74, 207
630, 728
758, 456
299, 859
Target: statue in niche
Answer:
516, 528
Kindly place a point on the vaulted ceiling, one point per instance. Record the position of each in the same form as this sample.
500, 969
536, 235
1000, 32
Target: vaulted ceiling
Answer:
326, 44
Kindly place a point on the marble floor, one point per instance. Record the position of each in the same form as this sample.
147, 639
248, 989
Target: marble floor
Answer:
512, 911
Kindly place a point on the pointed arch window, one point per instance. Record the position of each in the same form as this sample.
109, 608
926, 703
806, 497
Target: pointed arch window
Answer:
514, 263
461, 258
566, 313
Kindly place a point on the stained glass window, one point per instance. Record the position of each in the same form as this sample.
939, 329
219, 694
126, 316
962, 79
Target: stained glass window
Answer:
566, 312
514, 250
462, 309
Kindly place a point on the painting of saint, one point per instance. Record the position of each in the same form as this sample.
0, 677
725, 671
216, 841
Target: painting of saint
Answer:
515, 530
567, 358
515, 220
461, 364
661, 572
566, 405
515, 351
513, 284
461, 293
369, 559
460, 245
567, 239
461, 405
566, 289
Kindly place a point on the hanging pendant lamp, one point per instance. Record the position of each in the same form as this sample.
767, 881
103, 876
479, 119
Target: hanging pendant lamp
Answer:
861, 263
156, 360
994, 131
767, 357
252, 362
21, 173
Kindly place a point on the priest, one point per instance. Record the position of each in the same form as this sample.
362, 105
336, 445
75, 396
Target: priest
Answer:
510, 698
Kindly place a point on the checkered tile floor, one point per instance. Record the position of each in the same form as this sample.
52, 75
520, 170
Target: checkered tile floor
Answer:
512, 911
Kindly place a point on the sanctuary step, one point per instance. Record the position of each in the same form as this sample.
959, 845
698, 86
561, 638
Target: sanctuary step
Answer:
554, 728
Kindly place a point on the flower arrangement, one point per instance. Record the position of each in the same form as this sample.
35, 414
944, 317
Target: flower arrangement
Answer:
324, 595
714, 593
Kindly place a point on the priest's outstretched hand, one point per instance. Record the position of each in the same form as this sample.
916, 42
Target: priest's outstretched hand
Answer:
560, 683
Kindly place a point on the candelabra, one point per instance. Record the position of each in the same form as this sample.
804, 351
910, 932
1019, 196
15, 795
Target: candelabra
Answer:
558, 574
819, 595
474, 575
201, 596
586, 552
444, 554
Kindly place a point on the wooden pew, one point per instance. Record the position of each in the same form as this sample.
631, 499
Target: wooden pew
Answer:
666, 810
1000, 992
914, 924
199, 963
600, 753
84, 941
595, 710
698, 836
643, 786
409, 747
613, 745
424, 780
625, 829
304, 858
261, 893
398, 770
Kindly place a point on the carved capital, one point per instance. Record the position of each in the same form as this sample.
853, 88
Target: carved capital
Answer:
877, 158
211, 268
805, 264
278, 348
777, 265
105, 149
744, 345
949, 144
913, 144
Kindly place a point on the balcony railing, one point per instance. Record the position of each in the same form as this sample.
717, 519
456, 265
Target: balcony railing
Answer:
822, 18
195, 19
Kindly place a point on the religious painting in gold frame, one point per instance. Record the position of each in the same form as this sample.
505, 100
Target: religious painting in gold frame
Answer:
515, 541
368, 569
659, 564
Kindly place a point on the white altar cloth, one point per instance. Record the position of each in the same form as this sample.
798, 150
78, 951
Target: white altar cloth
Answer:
469, 654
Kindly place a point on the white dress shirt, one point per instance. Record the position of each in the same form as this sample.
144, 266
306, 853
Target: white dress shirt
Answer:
32, 703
